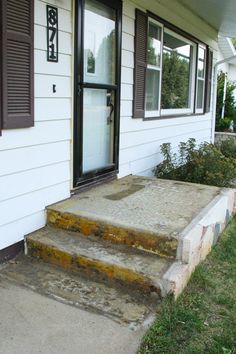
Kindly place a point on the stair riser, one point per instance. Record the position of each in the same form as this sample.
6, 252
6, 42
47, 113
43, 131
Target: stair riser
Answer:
92, 268
152, 243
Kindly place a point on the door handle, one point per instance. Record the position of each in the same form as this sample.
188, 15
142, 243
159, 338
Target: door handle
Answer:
111, 105
109, 118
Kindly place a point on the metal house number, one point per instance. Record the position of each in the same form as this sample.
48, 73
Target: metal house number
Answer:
52, 34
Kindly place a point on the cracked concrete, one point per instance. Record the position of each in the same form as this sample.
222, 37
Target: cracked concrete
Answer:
33, 324
129, 308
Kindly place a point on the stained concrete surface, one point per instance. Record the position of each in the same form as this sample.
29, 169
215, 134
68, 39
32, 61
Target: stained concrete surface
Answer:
129, 308
148, 204
34, 324
112, 255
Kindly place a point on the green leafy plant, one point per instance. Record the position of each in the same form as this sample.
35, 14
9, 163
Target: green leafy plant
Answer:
223, 124
205, 164
228, 147
234, 42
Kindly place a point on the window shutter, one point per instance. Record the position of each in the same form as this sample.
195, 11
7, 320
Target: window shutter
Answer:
141, 26
208, 80
17, 63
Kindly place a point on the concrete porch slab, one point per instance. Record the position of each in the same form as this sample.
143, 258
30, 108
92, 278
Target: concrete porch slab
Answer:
146, 204
147, 213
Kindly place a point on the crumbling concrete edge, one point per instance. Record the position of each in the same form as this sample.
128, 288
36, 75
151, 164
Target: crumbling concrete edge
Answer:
197, 239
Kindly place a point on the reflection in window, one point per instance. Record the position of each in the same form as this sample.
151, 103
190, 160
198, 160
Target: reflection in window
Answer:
90, 63
153, 67
176, 74
152, 90
99, 43
200, 77
154, 44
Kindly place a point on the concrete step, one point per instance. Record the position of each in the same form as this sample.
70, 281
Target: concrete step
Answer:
140, 212
119, 234
123, 307
99, 260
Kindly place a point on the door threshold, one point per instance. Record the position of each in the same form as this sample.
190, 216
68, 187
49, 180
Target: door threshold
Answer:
86, 185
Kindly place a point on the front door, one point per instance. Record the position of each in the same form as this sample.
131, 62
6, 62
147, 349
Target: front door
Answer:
97, 89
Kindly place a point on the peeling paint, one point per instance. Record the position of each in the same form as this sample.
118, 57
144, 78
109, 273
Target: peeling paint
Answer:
154, 243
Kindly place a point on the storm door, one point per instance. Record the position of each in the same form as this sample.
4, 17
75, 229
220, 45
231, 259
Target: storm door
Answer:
97, 90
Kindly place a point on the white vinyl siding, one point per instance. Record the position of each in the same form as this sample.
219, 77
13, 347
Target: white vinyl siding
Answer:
35, 162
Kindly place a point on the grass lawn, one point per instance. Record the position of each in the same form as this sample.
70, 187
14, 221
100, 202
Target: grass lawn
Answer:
203, 319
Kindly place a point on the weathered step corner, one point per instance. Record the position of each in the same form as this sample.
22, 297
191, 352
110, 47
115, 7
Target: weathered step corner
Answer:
101, 260
114, 232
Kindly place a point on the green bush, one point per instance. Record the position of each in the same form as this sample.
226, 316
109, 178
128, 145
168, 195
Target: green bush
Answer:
223, 124
227, 147
205, 164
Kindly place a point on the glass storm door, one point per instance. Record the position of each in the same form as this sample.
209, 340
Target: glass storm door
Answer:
97, 90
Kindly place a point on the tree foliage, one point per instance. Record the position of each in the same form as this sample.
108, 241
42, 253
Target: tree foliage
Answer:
175, 81
230, 108
234, 42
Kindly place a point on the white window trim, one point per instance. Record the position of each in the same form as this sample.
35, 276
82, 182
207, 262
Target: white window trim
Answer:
193, 78
187, 110
201, 110
157, 113
173, 111
177, 35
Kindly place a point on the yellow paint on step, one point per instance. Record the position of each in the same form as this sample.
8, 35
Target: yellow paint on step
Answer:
154, 243
91, 267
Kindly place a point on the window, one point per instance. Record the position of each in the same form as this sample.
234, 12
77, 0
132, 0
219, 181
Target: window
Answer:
177, 74
171, 70
201, 69
154, 48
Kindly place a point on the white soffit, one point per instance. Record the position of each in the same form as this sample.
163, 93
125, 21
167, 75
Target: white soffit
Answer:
220, 14
227, 49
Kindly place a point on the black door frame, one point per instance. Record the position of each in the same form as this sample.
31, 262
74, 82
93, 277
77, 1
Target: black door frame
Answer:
78, 176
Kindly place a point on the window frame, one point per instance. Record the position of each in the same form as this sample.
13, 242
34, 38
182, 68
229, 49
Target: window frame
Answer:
201, 110
196, 43
155, 113
188, 110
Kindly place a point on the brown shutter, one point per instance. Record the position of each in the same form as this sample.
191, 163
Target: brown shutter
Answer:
18, 63
140, 64
208, 80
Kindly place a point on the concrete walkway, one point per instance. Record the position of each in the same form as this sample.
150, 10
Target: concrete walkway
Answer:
31, 324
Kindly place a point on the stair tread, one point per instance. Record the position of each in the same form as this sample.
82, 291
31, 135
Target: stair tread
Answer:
75, 290
138, 261
149, 205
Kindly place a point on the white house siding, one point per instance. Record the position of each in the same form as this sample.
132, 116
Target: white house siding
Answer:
35, 162
140, 140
